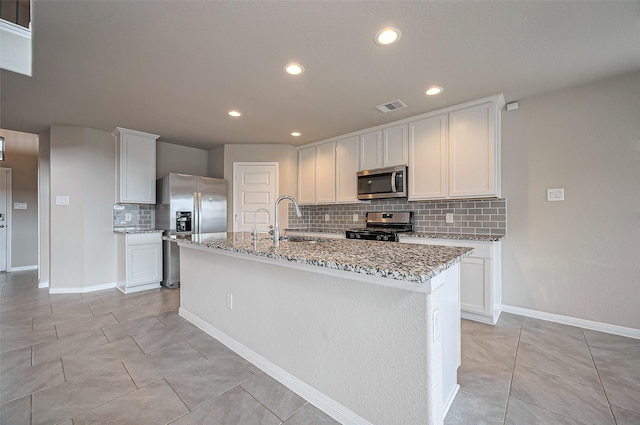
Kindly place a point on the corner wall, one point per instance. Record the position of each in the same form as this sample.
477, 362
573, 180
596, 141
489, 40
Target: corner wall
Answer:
82, 167
172, 158
581, 257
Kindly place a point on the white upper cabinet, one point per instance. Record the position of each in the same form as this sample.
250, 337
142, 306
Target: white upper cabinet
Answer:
346, 169
428, 158
326, 173
136, 163
395, 146
371, 150
473, 151
384, 148
307, 175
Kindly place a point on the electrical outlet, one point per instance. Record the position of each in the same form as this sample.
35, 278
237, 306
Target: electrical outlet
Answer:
326, 217
449, 218
555, 195
355, 217
127, 216
229, 300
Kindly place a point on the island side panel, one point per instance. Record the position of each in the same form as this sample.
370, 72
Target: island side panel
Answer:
363, 345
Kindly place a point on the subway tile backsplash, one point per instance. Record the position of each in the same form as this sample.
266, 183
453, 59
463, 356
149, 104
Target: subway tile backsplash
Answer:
470, 217
142, 216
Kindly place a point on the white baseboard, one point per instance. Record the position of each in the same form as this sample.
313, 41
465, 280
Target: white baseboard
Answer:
43, 284
573, 321
23, 268
82, 290
313, 396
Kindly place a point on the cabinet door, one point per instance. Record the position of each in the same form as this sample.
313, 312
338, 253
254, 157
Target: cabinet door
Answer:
307, 175
326, 173
428, 158
137, 164
144, 264
472, 151
346, 169
395, 146
371, 150
474, 285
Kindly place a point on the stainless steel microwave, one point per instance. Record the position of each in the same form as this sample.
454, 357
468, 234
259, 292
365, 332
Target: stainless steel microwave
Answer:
388, 182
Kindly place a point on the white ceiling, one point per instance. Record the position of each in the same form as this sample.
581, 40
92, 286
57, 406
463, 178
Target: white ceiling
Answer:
175, 68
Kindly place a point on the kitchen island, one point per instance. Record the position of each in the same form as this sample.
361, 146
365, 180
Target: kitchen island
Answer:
366, 331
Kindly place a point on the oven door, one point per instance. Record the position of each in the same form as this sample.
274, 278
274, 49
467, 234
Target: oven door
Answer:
382, 183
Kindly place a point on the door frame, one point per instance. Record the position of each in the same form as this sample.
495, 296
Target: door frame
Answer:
8, 218
233, 185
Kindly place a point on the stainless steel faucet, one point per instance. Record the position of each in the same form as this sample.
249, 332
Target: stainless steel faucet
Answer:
276, 227
254, 232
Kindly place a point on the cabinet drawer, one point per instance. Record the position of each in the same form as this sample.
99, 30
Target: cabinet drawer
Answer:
143, 238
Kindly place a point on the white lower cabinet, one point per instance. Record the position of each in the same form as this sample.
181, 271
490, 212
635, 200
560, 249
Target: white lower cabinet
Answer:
480, 277
139, 261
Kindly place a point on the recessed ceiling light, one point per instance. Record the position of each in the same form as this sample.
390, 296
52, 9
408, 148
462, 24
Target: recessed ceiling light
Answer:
296, 134
387, 36
293, 69
433, 90
234, 113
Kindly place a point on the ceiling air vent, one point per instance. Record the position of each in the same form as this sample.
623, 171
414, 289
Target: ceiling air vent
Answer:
391, 106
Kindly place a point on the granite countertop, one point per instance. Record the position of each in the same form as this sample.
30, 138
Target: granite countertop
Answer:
450, 236
405, 262
130, 230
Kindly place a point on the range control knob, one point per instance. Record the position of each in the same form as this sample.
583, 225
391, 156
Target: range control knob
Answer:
378, 238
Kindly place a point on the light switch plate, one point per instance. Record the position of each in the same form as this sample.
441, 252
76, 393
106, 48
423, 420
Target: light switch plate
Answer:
62, 200
355, 217
555, 195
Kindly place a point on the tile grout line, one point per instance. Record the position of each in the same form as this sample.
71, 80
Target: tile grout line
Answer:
513, 371
606, 397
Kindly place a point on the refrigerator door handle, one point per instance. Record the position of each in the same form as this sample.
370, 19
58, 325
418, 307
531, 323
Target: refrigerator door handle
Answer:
196, 214
199, 212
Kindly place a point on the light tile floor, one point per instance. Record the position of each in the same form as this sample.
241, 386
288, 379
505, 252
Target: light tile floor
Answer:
130, 359
106, 357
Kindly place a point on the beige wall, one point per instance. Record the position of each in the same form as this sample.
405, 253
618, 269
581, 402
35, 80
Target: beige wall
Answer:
21, 156
285, 155
580, 257
172, 158
216, 162
82, 166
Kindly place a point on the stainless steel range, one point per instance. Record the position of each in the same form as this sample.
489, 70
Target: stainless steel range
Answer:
383, 226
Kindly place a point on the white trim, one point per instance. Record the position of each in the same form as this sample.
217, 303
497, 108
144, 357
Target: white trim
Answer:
138, 288
16, 29
22, 268
574, 321
313, 396
44, 284
82, 290
449, 402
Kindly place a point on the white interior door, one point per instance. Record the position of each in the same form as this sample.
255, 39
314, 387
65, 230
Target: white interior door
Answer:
255, 186
5, 199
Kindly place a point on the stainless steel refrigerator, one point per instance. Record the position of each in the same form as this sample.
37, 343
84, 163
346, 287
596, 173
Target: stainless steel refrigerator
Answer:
187, 205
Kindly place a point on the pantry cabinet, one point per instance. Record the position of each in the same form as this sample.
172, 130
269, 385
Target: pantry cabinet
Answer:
136, 166
139, 261
480, 277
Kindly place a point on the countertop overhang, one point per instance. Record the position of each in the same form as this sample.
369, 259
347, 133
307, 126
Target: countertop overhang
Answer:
408, 263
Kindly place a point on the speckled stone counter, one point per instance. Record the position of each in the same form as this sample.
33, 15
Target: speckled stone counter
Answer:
405, 262
450, 236
135, 231
454, 237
